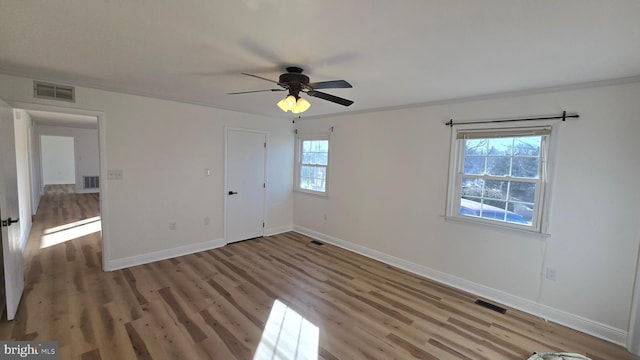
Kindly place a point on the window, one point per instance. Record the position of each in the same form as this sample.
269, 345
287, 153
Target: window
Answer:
499, 176
312, 163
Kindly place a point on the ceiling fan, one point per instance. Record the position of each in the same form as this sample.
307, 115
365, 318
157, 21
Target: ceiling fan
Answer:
296, 82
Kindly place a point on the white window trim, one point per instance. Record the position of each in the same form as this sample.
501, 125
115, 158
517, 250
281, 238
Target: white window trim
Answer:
543, 198
299, 139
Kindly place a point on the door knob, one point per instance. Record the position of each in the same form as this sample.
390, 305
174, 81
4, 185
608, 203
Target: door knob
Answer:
232, 192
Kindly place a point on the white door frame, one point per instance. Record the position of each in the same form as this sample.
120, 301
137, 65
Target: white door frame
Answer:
102, 146
226, 173
633, 333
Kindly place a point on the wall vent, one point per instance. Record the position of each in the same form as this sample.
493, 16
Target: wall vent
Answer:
51, 91
91, 182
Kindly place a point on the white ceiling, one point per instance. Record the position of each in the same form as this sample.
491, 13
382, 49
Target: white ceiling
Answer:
393, 52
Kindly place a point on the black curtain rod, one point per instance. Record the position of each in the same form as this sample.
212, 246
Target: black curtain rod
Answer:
564, 117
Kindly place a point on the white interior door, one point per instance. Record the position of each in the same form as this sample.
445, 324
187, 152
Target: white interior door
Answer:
245, 159
9, 210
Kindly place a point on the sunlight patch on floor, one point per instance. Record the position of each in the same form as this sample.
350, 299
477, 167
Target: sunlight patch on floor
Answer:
287, 335
60, 234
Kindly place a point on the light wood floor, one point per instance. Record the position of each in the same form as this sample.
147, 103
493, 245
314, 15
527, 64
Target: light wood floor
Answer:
215, 304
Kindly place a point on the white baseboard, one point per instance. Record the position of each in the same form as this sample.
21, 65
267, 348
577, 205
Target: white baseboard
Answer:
606, 332
122, 263
87, 191
278, 230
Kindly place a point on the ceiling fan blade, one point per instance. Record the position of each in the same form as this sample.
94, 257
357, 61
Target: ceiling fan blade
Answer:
334, 84
253, 91
329, 97
260, 77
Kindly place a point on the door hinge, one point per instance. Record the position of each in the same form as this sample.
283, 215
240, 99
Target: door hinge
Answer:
264, 185
262, 224
265, 145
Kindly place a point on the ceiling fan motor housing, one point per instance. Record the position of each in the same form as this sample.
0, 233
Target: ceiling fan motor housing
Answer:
294, 80
288, 78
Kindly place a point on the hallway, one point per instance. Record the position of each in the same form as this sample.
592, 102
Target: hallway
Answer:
62, 253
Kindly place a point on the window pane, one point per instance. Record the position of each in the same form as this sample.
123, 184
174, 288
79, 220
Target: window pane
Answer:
498, 166
306, 171
500, 146
495, 189
315, 152
476, 147
322, 158
312, 184
522, 192
529, 145
474, 165
524, 210
525, 167
501, 200
323, 146
472, 187
492, 209
313, 177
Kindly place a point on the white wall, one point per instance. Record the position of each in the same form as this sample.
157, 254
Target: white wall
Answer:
22, 126
162, 148
86, 152
389, 181
58, 163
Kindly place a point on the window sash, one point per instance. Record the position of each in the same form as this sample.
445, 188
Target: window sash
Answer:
316, 159
459, 148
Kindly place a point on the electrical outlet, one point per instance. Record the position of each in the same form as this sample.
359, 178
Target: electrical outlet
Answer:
551, 274
207, 220
172, 226
324, 216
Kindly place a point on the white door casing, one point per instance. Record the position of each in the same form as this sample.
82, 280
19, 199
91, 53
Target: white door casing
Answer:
245, 164
12, 250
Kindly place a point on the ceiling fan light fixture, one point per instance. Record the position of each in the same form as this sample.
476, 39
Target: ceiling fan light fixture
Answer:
301, 106
296, 106
291, 101
282, 104
287, 103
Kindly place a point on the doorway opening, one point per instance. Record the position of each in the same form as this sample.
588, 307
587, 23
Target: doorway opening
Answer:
64, 168
58, 160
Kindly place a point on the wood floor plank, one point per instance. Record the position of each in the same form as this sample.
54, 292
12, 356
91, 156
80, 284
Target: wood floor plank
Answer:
217, 304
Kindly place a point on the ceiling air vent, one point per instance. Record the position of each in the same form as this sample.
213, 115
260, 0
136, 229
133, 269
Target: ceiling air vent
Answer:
51, 91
